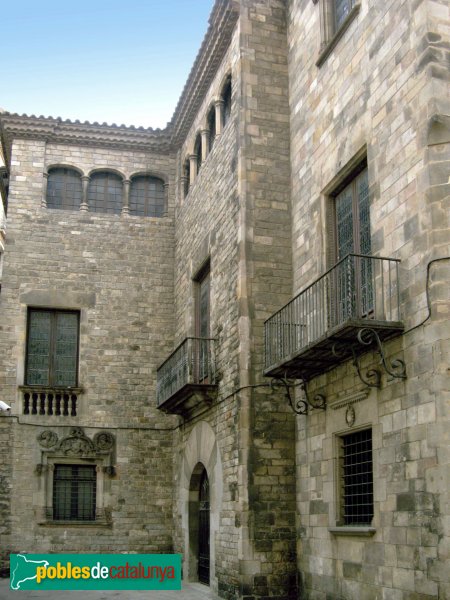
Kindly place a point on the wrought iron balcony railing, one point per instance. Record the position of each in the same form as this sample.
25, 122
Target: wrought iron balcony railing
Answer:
189, 370
358, 292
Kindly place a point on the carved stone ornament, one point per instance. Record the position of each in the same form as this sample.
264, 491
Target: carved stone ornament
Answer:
76, 444
350, 415
103, 441
47, 439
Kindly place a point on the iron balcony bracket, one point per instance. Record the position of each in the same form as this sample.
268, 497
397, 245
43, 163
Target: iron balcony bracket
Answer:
302, 405
397, 368
372, 377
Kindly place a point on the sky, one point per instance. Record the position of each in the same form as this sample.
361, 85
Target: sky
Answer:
113, 61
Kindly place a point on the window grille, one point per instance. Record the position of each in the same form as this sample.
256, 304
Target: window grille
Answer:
105, 193
356, 478
64, 189
74, 492
147, 197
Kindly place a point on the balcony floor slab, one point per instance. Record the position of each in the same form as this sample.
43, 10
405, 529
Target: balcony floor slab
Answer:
317, 357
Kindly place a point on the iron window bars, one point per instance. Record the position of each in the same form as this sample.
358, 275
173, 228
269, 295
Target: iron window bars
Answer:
356, 478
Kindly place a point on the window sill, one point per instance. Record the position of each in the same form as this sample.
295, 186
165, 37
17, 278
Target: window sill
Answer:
330, 44
357, 530
76, 524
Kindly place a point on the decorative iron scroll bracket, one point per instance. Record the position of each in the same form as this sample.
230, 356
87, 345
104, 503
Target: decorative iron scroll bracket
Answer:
302, 405
372, 378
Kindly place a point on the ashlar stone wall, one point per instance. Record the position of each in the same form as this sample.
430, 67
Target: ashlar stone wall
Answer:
118, 271
383, 92
237, 213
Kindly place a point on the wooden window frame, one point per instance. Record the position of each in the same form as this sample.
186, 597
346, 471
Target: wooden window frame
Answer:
52, 352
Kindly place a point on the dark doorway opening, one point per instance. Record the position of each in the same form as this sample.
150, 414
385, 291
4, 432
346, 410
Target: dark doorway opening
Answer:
203, 529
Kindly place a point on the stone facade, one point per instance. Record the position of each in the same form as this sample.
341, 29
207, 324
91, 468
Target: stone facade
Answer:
381, 89
283, 108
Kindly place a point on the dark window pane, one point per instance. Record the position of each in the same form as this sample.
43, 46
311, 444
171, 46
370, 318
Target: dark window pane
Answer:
66, 349
52, 348
198, 152
38, 348
344, 222
74, 492
362, 193
342, 9
226, 95
357, 478
352, 208
105, 193
64, 190
147, 197
203, 306
187, 177
212, 127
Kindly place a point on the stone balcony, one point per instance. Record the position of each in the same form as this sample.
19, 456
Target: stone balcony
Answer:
50, 401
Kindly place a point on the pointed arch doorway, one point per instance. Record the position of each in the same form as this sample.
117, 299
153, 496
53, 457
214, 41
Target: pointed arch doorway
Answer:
203, 529
199, 525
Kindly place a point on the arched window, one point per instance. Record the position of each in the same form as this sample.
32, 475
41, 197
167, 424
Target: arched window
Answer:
226, 97
186, 177
64, 189
105, 193
147, 198
211, 120
198, 151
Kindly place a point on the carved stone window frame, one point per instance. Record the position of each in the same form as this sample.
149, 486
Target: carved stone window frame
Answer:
75, 449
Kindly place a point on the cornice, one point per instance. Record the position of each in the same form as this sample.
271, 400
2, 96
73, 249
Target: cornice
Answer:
222, 21
50, 129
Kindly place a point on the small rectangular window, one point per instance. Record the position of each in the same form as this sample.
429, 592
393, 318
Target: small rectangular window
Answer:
74, 492
356, 478
52, 348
